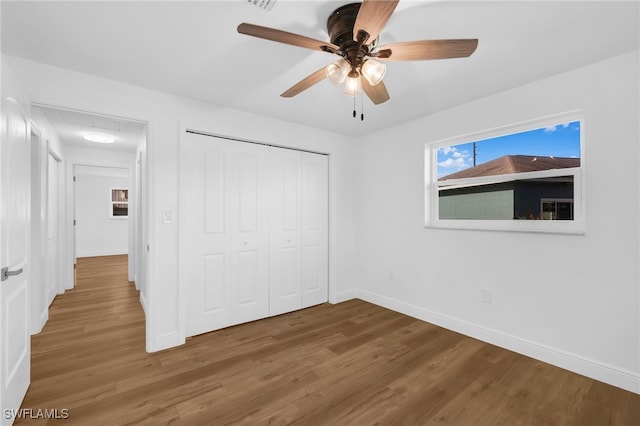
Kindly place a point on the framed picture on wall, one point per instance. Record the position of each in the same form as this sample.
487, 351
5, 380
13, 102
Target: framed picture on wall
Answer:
119, 203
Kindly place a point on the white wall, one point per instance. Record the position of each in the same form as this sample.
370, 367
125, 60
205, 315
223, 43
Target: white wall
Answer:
572, 300
164, 113
98, 234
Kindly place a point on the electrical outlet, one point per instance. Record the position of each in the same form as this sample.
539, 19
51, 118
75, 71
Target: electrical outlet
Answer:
487, 296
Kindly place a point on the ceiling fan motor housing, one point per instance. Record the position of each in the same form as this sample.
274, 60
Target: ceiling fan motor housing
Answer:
340, 23
340, 27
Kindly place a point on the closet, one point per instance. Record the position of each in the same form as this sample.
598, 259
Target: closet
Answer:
253, 231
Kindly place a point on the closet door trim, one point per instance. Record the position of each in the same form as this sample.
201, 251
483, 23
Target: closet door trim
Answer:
230, 138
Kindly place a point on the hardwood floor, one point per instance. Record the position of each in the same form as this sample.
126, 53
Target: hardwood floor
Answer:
349, 364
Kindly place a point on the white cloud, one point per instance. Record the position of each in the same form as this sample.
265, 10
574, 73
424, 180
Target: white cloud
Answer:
447, 150
565, 125
550, 129
450, 163
455, 160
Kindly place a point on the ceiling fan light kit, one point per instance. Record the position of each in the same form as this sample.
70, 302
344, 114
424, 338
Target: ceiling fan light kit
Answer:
353, 33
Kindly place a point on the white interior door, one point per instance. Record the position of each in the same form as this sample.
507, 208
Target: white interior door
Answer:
52, 229
223, 231
285, 265
15, 349
315, 229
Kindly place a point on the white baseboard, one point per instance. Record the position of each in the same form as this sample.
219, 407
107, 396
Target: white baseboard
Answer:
102, 253
143, 302
614, 376
343, 296
164, 341
42, 320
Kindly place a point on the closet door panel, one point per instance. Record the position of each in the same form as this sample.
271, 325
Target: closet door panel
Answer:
203, 255
285, 272
248, 218
315, 227
223, 232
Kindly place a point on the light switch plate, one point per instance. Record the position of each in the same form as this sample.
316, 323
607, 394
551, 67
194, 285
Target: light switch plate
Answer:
167, 216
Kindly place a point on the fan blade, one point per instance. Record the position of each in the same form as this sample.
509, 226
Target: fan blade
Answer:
286, 37
378, 93
372, 17
305, 83
427, 49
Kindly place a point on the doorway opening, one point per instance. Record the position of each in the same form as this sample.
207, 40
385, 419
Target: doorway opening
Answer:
99, 168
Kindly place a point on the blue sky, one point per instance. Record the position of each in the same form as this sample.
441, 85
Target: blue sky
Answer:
562, 140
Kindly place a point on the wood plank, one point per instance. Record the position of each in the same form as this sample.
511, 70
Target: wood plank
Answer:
352, 363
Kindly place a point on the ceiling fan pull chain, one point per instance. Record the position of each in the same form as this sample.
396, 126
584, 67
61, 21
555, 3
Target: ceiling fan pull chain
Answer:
354, 105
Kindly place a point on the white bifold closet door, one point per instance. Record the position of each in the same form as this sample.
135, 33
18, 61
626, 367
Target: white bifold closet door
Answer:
299, 239
224, 254
253, 231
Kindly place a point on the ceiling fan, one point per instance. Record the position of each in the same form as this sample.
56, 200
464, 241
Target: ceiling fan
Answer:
353, 31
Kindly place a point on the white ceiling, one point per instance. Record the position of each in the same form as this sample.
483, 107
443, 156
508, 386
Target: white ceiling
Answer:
192, 49
72, 126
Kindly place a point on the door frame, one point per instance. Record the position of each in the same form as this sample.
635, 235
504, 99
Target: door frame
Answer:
71, 202
38, 223
68, 255
60, 215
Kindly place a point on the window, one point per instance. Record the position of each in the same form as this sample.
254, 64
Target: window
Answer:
525, 177
556, 209
119, 203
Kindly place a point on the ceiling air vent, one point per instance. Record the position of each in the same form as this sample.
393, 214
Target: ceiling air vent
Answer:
263, 4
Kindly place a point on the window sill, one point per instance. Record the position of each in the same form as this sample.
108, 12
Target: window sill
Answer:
526, 226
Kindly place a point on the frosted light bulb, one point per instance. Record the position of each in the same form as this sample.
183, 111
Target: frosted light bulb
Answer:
373, 71
337, 71
353, 86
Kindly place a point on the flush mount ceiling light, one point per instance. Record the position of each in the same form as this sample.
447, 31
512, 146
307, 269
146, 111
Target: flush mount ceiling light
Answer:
99, 138
353, 33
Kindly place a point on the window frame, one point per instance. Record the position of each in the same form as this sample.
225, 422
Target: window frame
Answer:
112, 202
433, 186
